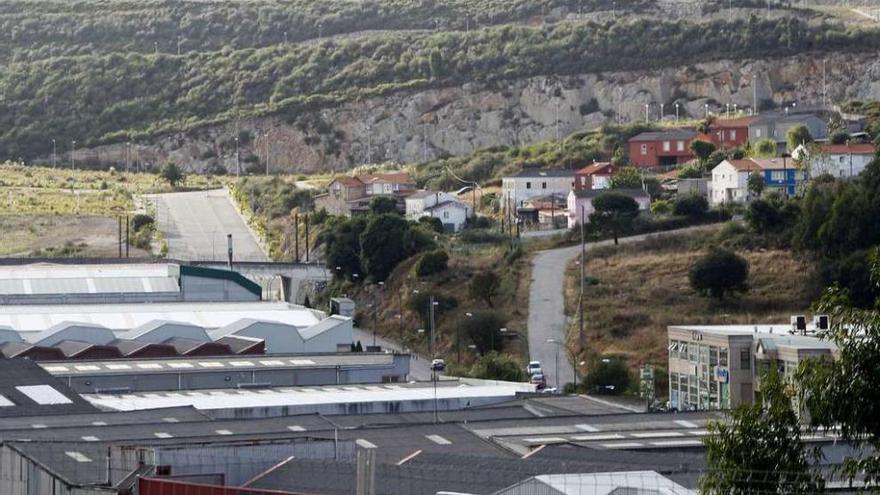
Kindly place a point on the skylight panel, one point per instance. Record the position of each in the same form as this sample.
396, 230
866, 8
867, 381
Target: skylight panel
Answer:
77, 456
43, 394
4, 402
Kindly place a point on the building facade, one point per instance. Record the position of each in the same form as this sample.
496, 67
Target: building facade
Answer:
595, 176
348, 195
531, 183
730, 133
839, 160
730, 178
580, 203
661, 149
718, 367
451, 212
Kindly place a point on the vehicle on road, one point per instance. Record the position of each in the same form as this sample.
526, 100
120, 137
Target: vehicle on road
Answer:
438, 365
534, 368
539, 381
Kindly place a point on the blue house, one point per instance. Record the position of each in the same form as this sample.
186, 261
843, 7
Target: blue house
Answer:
730, 178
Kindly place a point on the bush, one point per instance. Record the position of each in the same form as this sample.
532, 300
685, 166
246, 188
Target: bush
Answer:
140, 220
482, 330
693, 206
719, 272
432, 223
484, 286
609, 376
661, 207
481, 222
432, 262
482, 237
495, 366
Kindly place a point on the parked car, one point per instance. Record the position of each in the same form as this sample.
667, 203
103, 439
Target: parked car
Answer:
534, 368
539, 381
438, 365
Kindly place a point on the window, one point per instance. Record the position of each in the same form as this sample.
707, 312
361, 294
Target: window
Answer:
666, 146
446, 214
583, 181
722, 357
757, 132
777, 175
680, 146
543, 185
644, 149
745, 359
733, 135
528, 185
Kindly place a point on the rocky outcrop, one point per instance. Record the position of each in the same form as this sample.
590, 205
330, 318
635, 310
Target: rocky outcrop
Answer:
422, 125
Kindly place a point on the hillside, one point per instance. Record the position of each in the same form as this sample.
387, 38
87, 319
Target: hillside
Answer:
291, 90
635, 291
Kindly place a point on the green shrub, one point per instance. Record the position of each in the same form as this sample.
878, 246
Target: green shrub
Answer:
432, 262
719, 272
495, 366
693, 205
610, 376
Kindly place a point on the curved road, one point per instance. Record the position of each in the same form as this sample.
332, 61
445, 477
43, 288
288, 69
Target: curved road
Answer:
547, 319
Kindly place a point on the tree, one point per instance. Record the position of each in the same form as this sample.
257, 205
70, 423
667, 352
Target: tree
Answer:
432, 223
661, 207
172, 174
772, 214
609, 376
626, 178
839, 137
381, 205
764, 148
756, 183
342, 243
613, 213
386, 241
798, 135
702, 150
844, 391
484, 286
495, 366
432, 262
758, 448
690, 172
718, 273
482, 329
692, 205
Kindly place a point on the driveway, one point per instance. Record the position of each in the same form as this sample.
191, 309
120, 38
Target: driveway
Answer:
195, 225
547, 319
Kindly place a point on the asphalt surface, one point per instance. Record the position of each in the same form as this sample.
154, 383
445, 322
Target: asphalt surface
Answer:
419, 366
547, 319
195, 225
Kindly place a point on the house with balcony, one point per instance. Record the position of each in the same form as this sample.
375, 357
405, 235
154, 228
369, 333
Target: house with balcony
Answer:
348, 195
532, 183
730, 178
662, 148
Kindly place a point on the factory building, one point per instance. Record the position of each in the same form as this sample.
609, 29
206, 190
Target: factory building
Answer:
173, 329
715, 367
45, 283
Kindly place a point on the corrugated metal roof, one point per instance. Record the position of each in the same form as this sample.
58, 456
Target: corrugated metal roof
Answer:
37, 318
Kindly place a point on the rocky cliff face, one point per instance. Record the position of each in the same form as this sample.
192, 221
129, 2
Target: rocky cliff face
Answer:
423, 125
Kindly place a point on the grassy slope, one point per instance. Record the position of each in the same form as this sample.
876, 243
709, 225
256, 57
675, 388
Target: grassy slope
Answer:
643, 288
47, 208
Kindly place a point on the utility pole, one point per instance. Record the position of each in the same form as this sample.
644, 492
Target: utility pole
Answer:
53, 153
307, 236
431, 315
127, 235
237, 158
581, 336
229, 249
73, 155
268, 150
296, 238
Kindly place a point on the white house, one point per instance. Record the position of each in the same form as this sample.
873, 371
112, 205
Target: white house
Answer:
531, 183
730, 178
580, 203
451, 212
838, 160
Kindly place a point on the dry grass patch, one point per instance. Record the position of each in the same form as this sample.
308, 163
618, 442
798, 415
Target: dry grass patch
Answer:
638, 291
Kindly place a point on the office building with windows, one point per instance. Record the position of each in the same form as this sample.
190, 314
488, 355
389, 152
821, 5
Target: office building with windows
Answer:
719, 366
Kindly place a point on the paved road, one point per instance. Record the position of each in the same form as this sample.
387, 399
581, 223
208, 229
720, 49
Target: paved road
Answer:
195, 225
419, 366
547, 319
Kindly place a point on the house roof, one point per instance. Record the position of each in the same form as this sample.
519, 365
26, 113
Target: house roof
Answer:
592, 193
26, 389
739, 122
393, 177
422, 194
239, 343
597, 168
755, 164
74, 348
443, 204
845, 149
663, 135
538, 173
